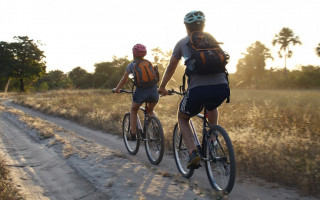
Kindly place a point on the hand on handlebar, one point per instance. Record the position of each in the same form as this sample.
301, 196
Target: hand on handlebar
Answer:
172, 91
115, 90
163, 91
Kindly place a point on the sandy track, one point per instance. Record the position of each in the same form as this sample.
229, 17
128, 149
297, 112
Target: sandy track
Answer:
40, 172
100, 168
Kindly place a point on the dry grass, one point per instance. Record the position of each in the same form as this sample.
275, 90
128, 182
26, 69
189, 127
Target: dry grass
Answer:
7, 190
43, 129
275, 133
91, 108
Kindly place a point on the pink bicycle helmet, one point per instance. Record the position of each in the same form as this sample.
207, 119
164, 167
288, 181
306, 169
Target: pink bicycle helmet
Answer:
139, 50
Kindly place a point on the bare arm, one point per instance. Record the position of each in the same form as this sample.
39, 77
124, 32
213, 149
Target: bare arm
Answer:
168, 75
121, 82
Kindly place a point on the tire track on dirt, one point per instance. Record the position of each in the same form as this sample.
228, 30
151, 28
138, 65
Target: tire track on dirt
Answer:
149, 184
40, 173
109, 170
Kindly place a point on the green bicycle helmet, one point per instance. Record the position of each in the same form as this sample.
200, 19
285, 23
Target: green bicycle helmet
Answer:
194, 16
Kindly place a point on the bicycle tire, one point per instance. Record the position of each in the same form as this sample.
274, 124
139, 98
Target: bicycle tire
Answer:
221, 165
181, 153
154, 143
131, 146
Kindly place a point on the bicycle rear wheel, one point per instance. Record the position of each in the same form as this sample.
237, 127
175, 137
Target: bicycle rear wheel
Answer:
154, 142
132, 146
181, 153
220, 162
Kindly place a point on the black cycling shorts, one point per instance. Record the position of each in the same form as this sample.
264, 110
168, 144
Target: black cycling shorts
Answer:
197, 98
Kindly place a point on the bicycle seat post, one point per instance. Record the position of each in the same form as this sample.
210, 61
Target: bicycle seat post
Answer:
145, 108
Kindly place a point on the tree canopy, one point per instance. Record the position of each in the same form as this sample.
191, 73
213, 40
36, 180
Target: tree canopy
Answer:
23, 63
252, 66
318, 50
285, 38
22, 59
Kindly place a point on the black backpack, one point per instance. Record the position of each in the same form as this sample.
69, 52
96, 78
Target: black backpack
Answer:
207, 56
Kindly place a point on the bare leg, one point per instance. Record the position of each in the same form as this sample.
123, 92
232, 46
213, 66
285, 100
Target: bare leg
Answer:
150, 107
133, 117
213, 117
186, 131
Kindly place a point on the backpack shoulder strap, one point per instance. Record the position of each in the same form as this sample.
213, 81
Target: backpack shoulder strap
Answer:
227, 76
148, 62
183, 87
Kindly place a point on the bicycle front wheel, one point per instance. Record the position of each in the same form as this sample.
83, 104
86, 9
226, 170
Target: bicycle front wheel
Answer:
132, 146
220, 160
154, 142
181, 153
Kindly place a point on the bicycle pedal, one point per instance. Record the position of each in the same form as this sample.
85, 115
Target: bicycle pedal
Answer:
197, 166
143, 134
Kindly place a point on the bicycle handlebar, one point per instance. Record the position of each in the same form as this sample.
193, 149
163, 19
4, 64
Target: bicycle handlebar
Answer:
172, 91
123, 91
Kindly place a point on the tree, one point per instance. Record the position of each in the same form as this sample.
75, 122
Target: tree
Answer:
55, 79
252, 66
159, 59
284, 39
81, 78
22, 60
107, 74
318, 50
162, 59
7, 61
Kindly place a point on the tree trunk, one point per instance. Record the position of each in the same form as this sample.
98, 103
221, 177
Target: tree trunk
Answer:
285, 61
285, 64
21, 85
7, 86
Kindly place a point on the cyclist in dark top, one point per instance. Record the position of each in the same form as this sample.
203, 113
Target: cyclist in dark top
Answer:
140, 95
209, 90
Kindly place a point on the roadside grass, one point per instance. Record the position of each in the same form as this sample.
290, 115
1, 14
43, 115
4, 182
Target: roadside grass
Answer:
7, 190
275, 133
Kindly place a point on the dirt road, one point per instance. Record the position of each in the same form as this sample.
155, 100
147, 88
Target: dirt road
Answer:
96, 165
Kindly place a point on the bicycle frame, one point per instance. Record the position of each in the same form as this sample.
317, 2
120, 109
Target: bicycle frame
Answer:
195, 137
204, 131
150, 132
146, 121
146, 117
216, 151
205, 125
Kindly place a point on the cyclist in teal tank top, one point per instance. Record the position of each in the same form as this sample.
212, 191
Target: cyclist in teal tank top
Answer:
204, 90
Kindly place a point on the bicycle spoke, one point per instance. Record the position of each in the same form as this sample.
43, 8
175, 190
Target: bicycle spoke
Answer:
220, 164
131, 146
154, 141
181, 153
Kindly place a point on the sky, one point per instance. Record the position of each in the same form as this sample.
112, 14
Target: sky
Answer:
84, 32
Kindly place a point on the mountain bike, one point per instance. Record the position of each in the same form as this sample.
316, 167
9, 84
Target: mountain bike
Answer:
216, 151
150, 132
